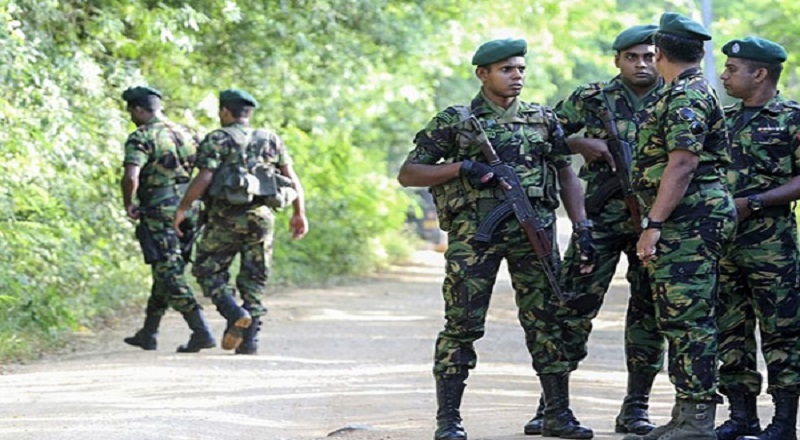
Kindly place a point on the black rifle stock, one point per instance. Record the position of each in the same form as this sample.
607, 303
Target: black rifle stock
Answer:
621, 152
517, 198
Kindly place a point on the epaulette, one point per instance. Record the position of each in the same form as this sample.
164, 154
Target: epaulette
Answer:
794, 105
590, 90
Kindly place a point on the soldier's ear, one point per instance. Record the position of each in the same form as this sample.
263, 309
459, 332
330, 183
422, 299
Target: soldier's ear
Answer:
760, 75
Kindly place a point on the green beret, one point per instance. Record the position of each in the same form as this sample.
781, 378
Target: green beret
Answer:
498, 50
632, 36
676, 24
236, 95
139, 92
756, 49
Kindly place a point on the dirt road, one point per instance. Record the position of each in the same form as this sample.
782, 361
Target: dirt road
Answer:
354, 359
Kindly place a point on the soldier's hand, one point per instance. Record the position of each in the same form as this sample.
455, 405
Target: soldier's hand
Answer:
586, 249
742, 208
593, 150
299, 226
180, 216
646, 246
132, 211
479, 174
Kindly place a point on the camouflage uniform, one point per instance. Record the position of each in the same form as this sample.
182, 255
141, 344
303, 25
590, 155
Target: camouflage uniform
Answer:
613, 230
525, 136
684, 275
165, 153
759, 275
246, 229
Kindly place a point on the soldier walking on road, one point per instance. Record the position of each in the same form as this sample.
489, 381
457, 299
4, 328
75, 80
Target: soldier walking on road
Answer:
759, 275
240, 219
448, 158
625, 98
159, 159
678, 170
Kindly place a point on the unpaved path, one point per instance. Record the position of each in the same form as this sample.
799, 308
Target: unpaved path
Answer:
356, 357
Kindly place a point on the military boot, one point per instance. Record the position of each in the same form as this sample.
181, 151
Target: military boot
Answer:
633, 416
696, 422
658, 430
534, 425
743, 420
784, 422
449, 390
201, 334
146, 337
559, 421
238, 320
249, 343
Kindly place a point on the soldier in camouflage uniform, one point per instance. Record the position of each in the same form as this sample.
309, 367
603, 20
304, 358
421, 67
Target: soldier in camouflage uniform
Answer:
159, 158
625, 96
447, 158
678, 170
245, 229
759, 275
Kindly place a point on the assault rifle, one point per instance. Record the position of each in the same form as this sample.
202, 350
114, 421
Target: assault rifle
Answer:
621, 152
517, 199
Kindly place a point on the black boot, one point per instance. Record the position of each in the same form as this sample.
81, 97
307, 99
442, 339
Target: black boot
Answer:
249, 343
784, 422
449, 390
146, 337
534, 425
201, 334
633, 417
743, 420
238, 320
558, 418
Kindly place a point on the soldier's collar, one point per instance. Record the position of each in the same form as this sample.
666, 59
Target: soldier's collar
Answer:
692, 71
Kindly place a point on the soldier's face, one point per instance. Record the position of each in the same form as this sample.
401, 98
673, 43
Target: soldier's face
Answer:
737, 78
505, 78
137, 115
637, 65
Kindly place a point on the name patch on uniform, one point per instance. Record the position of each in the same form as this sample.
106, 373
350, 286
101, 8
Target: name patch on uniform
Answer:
770, 129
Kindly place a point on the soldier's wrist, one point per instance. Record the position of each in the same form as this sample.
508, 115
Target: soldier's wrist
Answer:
583, 224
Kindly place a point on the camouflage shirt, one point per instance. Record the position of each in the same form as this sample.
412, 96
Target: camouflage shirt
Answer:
765, 148
582, 110
526, 136
687, 116
165, 152
265, 147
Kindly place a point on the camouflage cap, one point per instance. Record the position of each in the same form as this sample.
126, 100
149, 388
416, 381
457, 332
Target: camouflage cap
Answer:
676, 24
498, 50
756, 49
139, 92
642, 34
236, 95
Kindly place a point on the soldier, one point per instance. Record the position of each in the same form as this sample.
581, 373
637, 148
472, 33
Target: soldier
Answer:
677, 171
240, 226
446, 157
624, 97
759, 275
159, 158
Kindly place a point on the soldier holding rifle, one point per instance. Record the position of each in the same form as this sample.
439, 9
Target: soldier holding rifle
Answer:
494, 168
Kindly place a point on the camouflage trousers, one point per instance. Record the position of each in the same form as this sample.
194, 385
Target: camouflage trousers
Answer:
613, 235
248, 235
170, 287
759, 278
685, 280
470, 274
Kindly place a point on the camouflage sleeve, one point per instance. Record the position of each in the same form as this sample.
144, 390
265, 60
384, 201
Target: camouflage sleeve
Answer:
211, 150
686, 123
570, 112
282, 158
137, 148
437, 140
794, 131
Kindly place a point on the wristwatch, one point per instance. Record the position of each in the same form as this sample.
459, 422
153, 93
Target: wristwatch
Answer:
583, 224
648, 223
755, 203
